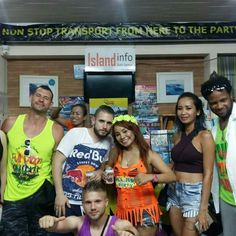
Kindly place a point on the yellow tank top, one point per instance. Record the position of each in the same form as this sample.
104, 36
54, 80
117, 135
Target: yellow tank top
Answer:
29, 160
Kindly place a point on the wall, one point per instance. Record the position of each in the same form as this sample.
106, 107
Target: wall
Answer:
147, 69
145, 74
201, 58
3, 89
62, 68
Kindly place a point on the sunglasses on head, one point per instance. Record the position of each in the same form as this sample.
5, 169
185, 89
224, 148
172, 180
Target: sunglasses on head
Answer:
27, 147
215, 88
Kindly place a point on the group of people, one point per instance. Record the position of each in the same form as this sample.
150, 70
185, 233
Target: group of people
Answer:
37, 155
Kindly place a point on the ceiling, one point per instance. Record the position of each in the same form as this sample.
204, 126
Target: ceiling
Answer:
116, 11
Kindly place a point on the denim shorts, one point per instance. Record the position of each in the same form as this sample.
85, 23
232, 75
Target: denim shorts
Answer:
147, 220
186, 197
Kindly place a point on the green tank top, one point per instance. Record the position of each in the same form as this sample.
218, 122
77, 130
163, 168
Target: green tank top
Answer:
226, 193
29, 160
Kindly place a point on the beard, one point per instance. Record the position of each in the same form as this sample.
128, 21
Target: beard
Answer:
98, 134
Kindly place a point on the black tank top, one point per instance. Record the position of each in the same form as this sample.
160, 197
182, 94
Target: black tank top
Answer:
185, 156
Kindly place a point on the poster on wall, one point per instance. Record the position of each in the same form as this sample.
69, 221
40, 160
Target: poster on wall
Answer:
119, 105
145, 107
172, 84
161, 142
28, 84
146, 110
78, 71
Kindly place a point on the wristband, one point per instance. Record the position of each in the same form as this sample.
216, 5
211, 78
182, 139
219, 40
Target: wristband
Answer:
155, 178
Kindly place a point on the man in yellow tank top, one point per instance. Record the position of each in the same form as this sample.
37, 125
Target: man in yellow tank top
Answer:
28, 190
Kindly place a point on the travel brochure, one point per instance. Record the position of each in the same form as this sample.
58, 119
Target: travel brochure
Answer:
146, 111
161, 142
145, 108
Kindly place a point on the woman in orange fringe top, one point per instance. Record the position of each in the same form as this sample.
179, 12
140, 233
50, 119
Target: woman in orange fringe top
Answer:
133, 162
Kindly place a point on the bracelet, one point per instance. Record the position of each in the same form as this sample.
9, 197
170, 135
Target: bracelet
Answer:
155, 178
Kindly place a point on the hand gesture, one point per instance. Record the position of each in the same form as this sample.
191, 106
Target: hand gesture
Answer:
46, 222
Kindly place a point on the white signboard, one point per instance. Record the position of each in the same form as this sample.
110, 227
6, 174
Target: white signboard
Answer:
106, 58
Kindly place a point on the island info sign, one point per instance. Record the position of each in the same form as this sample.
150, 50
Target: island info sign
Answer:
109, 58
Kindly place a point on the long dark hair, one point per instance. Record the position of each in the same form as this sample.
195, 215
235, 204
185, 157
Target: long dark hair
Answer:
200, 119
139, 139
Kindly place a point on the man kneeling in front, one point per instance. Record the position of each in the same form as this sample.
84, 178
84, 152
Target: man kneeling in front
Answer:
95, 222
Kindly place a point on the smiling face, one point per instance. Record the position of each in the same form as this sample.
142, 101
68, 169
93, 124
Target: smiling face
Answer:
220, 103
41, 100
95, 204
186, 111
77, 116
124, 136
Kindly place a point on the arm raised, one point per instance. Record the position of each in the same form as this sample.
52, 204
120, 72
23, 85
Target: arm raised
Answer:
59, 224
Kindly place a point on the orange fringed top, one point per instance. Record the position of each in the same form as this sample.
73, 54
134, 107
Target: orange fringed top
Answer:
133, 199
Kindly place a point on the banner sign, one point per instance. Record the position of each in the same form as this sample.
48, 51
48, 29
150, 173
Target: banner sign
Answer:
124, 32
107, 58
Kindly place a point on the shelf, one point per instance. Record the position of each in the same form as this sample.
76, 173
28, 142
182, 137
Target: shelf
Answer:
167, 121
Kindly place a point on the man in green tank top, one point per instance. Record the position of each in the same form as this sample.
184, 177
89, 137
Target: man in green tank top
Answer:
218, 92
28, 190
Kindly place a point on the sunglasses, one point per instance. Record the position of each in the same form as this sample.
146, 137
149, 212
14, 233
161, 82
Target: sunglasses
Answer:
27, 147
215, 88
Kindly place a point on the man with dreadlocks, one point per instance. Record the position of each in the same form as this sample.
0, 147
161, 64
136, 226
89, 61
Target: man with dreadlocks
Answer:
218, 92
